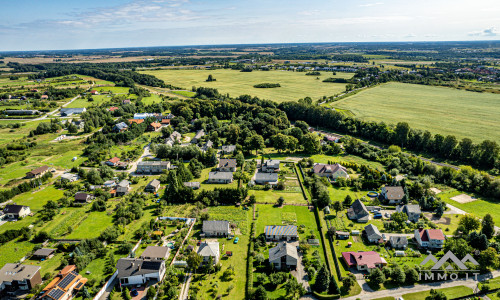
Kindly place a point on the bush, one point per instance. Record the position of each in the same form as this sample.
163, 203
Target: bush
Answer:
266, 85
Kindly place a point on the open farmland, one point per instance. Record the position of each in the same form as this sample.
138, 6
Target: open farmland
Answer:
294, 85
437, 109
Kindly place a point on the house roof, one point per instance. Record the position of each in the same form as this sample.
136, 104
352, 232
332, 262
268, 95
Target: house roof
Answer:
285, 230
282, 249
155, 125
357, 210
430, 234
133, 266
371, 230
341, 233
69, 176
368, 259
394, 192
39, 170
227, 163
165, 121
11, 272
44, 252
267, 177
328, 169
124, 183
412, 208
69, 111
398, 240
114, 160
228, 148
80, 196
13, 209
121, 126
272, 163
208, 249
191, 184
199, 134
136, 121
220, 175
155, 252
65, 280
154, 183
112, 108
218, 226
154, 163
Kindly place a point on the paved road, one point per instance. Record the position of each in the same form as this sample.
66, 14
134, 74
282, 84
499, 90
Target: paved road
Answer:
398, 292
146, 153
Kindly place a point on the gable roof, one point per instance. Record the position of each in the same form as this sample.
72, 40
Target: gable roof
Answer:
155, 125
219, 226
394, 192
430, 234
155, 252
328, 169
44, 252
227, 163
38, 170
282, 249
80, 196
13, 208
399, 240
412, 208
136, 121
228, 148
357, 210
371, 230
220, 175
114, 160
154, 183
133, 266
268, 177
208, 249
369, 259
272, 163
284, 230
121, 126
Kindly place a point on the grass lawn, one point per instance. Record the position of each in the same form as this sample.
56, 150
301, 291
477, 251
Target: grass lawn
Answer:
83, 102
184, 93
480, 207
92, 226
272, 196
294, 85
322, 158
451, 292
14, 250
437, 109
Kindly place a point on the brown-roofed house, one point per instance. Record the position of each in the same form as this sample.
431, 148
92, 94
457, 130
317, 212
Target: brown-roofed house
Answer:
65, 285
113, 161
331, 171
82, 198
155, 126
394, 194
18, 277
112, 108
136, 121
165, 121
38, 172
43, 253
227, 165
155, 252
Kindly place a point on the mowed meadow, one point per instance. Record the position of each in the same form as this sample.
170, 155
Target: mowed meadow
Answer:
437, 109
294, 85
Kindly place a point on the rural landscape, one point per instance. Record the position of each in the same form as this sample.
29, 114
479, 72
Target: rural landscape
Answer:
261, 171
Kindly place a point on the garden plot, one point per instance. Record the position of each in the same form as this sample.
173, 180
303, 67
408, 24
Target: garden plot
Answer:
435, 190
463, 198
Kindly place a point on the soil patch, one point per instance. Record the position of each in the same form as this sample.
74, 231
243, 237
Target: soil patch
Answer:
463, 198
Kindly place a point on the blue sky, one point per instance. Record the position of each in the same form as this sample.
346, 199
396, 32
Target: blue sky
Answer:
67, 24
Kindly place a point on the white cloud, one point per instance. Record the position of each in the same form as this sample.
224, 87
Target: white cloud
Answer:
370, 4
492, 31
410, 35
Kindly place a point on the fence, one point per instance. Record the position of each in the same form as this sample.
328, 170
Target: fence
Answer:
106, 286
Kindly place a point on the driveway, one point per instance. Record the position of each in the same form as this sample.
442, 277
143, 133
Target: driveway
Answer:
300, 273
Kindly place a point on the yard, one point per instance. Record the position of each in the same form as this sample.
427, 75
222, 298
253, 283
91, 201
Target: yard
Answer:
479, 207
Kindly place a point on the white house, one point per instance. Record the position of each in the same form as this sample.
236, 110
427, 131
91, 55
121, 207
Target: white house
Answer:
134, 271
429, 238
209, 249
13, 211
216, 228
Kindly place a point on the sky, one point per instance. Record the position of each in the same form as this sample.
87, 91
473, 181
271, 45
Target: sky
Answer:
69, 24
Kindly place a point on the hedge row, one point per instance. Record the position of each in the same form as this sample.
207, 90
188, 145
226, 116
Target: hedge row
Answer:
319, 296
249, 285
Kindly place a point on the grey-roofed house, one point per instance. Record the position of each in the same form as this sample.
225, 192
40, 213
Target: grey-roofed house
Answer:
70, 177
13, 211
372, 233
228, 149
220, 177
281, 232
358, 212
153, 186
411, 210
284, 256
197, 136
66, 112
120, 127
17, 277
270, 165
227, 165
266, 178
192, 185
331, 171
43, 253
134, 271
393, 194
152, 167
123, 188
209, 249
208, 144
155, 253
216, 228
398, 242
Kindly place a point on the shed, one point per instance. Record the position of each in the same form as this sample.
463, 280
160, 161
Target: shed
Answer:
399, 253
355, 232
43, 252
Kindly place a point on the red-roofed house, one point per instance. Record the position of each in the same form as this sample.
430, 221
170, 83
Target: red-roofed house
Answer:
112, 108
429, 238
94, 92
136, 121
113, 162
363, 261
155, 126
44, 97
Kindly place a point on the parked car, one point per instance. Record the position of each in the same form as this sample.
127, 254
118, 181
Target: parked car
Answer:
236, 240
134, 293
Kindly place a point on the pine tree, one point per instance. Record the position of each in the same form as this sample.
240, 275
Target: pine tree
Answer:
488, 226
322, 280
333, 288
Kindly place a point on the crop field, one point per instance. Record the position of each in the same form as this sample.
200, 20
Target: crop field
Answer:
294, 85
437, 109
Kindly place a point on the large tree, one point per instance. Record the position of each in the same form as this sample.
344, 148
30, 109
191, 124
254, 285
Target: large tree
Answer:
469, 223
322, 279
488, 226
402, 131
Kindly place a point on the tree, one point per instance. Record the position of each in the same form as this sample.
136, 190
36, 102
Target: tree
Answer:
194, 260
347, 201
488, 226
333, 288
210, 78
240, 159
260, 258
294, 290
399, 218
402, 130
337, 206
398, 275
259, 293
347, 283
279, 142
72, 128
457, 246
256, 142
281, 200
469, 223
411, 275
322, 280
311, 143
377, 277
478, 241
488, 259
151, 293
436, 295
49, 210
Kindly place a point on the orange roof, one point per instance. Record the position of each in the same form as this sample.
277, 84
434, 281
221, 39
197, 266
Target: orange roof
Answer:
136, 121
155, 125
114, 160
67, 269
165, 121
112, 108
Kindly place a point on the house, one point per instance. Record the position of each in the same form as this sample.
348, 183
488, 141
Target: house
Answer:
136, 121
145, 115
38, 172
82, 198
126, 101
332, 172
208, 144
209, 249
120, 127
153, 186
66, 112
113, 161
429, 238
358, 212
43, 253
411, 210
192, 185
197, 136
266, 178
393, 194
281, 232
94, 92
284, 256
170, 116
112, 108
155, 253
216, 228
165, 122
136, 271
398, 242
228, 149
79, 124
174, 137
227, 165
364, 261
13, 211
271, 165
342, 235
109, 184
220, 177
155, 126
152, 167
44, 97
65, 285
372, 233
70, 177
15, 278
123, 188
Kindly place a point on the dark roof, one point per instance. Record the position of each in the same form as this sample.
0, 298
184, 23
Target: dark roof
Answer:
44, 252
10, 272
398, 240
132, 266
155, 252
327, 169
220, 226
281, 250
220, 175
121, 126
272, 163
13, 209
372, 230
227, 163
357, 210
39, 170
268, 177
394, 192
81, 196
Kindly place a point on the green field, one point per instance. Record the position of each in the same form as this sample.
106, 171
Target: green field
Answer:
451, 292
294, 85
437, 109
